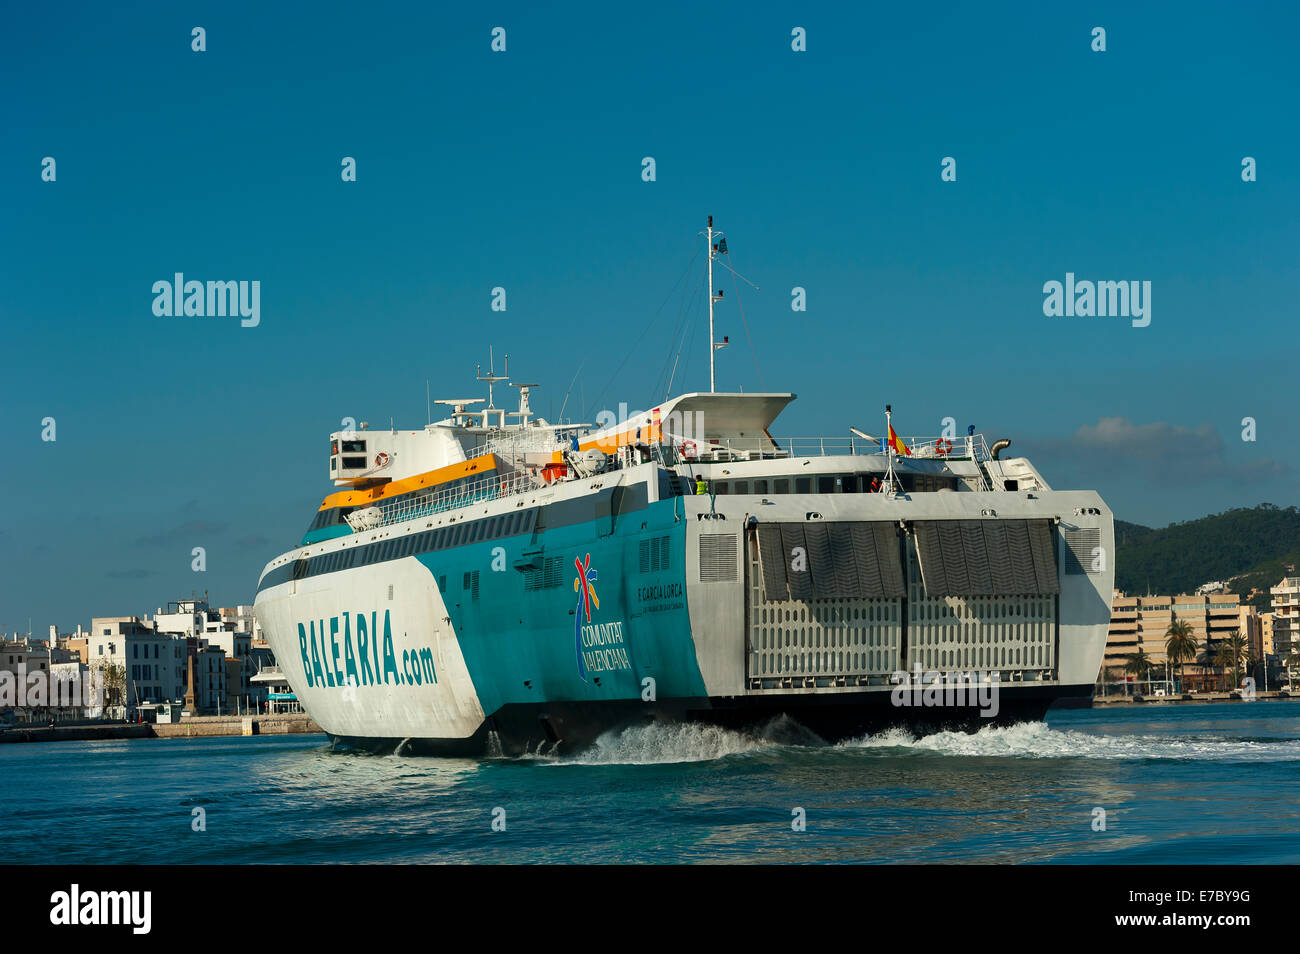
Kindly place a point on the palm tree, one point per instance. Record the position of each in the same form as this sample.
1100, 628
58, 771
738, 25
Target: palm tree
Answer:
1103, 677
1205, 662
1232, 655
1251, 662
1180, 645
1138, 665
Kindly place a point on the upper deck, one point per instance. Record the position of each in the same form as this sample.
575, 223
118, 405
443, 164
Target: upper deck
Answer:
723, 460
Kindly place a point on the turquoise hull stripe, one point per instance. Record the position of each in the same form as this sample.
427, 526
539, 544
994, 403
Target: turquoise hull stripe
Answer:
325, 533
524, 646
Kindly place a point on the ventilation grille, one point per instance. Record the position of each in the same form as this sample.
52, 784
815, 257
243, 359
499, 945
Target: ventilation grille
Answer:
948, 633
1080, 546
827, 561
545, 577
987, 557
470, 583
717, 558
654, 554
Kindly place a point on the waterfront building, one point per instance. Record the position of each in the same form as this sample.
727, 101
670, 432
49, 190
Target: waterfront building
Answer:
278, 695
143, 662
33, 654
21, 652
238, 647
1286, 622
140, 665
209, 676
1142, 622
235, 701
1266, 634
240, 619
192, 617
69, 682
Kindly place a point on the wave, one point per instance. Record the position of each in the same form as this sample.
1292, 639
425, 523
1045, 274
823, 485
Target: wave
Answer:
1038, 740
671, 742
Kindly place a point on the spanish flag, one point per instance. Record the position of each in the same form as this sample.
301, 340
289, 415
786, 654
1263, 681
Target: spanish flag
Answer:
898, 446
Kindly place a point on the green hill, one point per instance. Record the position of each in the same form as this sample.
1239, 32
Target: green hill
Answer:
1250, 547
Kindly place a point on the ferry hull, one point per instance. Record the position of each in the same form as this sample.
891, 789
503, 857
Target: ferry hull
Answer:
614, 609
567, 727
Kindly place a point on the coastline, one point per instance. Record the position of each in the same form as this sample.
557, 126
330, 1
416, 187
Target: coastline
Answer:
203, 726
1099, 702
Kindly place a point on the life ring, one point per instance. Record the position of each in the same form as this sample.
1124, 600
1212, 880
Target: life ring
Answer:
382, 459
943, 447
688, 449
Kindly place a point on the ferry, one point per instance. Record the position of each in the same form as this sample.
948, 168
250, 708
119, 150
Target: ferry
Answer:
495, 584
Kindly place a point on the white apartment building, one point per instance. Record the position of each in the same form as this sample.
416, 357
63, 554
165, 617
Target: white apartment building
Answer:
153, 662
237, 646
1286, 619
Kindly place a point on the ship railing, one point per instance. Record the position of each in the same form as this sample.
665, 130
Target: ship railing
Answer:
507, 481
514, 446
492, 487
966, 447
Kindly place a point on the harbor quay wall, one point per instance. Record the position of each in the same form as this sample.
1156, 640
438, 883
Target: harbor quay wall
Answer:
236, 725
200, 727
1189, 699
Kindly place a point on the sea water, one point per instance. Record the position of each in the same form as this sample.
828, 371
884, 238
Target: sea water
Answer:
1171, 784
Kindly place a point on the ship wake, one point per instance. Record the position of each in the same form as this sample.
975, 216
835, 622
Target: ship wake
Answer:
673, 742
1038, 740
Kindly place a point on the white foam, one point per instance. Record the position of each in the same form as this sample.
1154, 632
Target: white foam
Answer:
666, 743
1039, 740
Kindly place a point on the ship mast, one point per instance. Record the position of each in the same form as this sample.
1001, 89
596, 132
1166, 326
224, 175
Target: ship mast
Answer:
712, 350
492, 378
714, 346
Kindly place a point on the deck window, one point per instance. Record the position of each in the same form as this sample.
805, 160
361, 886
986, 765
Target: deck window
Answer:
781, 485
742, 486
803, 485
354, 447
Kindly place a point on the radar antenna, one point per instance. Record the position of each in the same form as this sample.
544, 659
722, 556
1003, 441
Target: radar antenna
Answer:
492, 377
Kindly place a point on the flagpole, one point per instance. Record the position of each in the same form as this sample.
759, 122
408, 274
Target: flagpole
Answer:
889, 443
712, 351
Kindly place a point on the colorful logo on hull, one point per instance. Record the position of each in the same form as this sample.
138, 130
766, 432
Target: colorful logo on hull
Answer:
582, 585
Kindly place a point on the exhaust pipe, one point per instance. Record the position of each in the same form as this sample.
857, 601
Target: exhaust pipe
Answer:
999, 446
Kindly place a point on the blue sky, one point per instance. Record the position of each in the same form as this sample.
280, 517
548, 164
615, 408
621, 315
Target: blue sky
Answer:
522, 169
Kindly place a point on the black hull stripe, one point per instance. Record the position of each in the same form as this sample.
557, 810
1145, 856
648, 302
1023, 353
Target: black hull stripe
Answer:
833, 717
